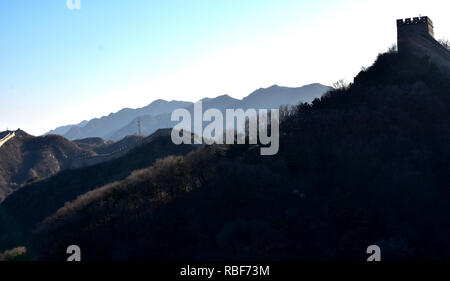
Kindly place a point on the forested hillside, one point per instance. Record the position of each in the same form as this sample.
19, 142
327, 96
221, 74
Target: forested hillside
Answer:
25, 208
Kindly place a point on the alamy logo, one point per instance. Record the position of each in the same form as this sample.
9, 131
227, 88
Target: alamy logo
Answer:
75, 253
375, 253
73, 4
258, 126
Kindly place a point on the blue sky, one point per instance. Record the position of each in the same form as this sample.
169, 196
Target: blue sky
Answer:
61, 66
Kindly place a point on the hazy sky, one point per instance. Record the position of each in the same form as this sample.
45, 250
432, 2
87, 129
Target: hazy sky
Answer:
61, 66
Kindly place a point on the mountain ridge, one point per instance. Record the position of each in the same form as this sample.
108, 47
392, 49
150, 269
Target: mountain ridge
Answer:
105, 126
117, 125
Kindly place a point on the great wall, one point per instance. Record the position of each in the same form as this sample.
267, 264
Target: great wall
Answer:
99, 158
7, 138
416, 36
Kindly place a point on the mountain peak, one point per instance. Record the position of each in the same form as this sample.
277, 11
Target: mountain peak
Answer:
225, 96
159, 101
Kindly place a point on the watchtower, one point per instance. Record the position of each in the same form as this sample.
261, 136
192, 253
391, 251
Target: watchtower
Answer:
139, 123
411, 29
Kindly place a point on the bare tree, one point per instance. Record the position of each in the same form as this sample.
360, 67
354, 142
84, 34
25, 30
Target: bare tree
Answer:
340, 85
445, 42
393, 49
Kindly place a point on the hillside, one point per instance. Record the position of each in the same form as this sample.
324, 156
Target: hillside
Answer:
25, 158
365, 164
104, 151
31, 204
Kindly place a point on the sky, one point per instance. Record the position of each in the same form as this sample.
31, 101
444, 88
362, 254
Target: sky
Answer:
60, 66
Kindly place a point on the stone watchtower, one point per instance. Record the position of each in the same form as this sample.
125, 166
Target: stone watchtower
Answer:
416, 37
411, 30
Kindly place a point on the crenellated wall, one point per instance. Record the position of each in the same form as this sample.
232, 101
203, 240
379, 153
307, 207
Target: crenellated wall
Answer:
7, 138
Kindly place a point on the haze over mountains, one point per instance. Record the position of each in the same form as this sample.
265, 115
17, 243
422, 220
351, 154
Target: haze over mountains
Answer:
157, 114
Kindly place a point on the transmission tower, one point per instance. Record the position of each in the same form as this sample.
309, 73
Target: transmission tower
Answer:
139, 126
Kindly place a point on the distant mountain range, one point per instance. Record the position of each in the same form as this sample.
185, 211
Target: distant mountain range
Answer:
157, 114
106, 126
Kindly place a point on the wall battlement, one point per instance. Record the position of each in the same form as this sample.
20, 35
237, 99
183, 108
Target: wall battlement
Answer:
416, 20
417, 25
